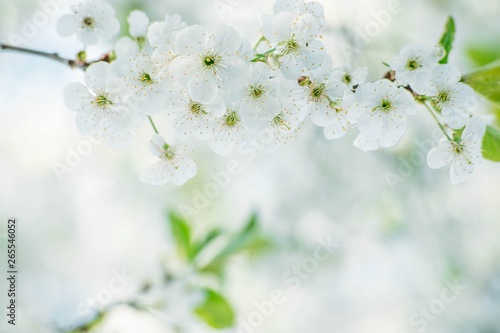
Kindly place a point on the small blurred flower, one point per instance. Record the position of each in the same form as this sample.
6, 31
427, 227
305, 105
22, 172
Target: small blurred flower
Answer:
90, 20
461, 157
171, 168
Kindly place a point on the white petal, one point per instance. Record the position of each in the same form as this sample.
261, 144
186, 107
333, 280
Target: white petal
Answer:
440, 156
157, 174
475, 129
76, 94
87, 36
202, 90
119, 140
460, 170
191, 40
139, 23
234, 72
184, 68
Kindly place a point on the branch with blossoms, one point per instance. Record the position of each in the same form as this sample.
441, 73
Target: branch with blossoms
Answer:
217, 88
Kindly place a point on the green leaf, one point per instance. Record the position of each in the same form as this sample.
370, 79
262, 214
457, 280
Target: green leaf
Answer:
197, 248
491, 144
182, 234
248, 238
447, 39
486, 81
483, 54
216, 311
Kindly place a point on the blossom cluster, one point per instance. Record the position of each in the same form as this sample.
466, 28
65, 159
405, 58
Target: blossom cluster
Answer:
217, 88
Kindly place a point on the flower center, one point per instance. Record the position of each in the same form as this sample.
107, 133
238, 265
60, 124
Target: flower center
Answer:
385, 106
279, 121
89, 22
232, 118
291, 46
256, 91
443, 96
146, 78
197, 108
209, 61
347, 79
413, 64
317, 92
169, 152
103, 101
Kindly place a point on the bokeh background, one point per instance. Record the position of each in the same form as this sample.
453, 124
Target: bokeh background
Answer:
400, 244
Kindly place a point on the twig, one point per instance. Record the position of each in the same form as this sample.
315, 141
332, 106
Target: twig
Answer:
53, 56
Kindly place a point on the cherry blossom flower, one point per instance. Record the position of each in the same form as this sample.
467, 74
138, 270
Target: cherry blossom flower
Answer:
230, 132
101, 106
192, 117
460, 156
89, 20
172, 167
295, 43
208, 62
452, 98
385, 109
413, 60
348, 76
259, 98
146, 80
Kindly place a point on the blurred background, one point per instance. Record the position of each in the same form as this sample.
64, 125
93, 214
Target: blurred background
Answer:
412, 252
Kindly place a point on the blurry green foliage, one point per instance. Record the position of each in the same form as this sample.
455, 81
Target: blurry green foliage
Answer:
491, 144
447, 38
216, 311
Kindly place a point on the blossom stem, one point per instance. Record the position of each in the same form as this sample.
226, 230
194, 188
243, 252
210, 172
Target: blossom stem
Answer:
437, 121
52, 56
68, 62
257, 43
153, 124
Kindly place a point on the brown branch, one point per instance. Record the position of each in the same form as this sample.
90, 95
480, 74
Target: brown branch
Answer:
53, 56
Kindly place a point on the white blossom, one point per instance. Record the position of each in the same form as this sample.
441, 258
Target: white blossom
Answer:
460, 156
172, 167
259, 98
452, 98
102, 108
229, 132
295, 42
385, 109
346, 115
208, 62
146, 81
89, 20
348, 76
413, 60
192, 117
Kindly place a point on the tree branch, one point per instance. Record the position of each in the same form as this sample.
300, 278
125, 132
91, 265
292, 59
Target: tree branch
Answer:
53, 56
